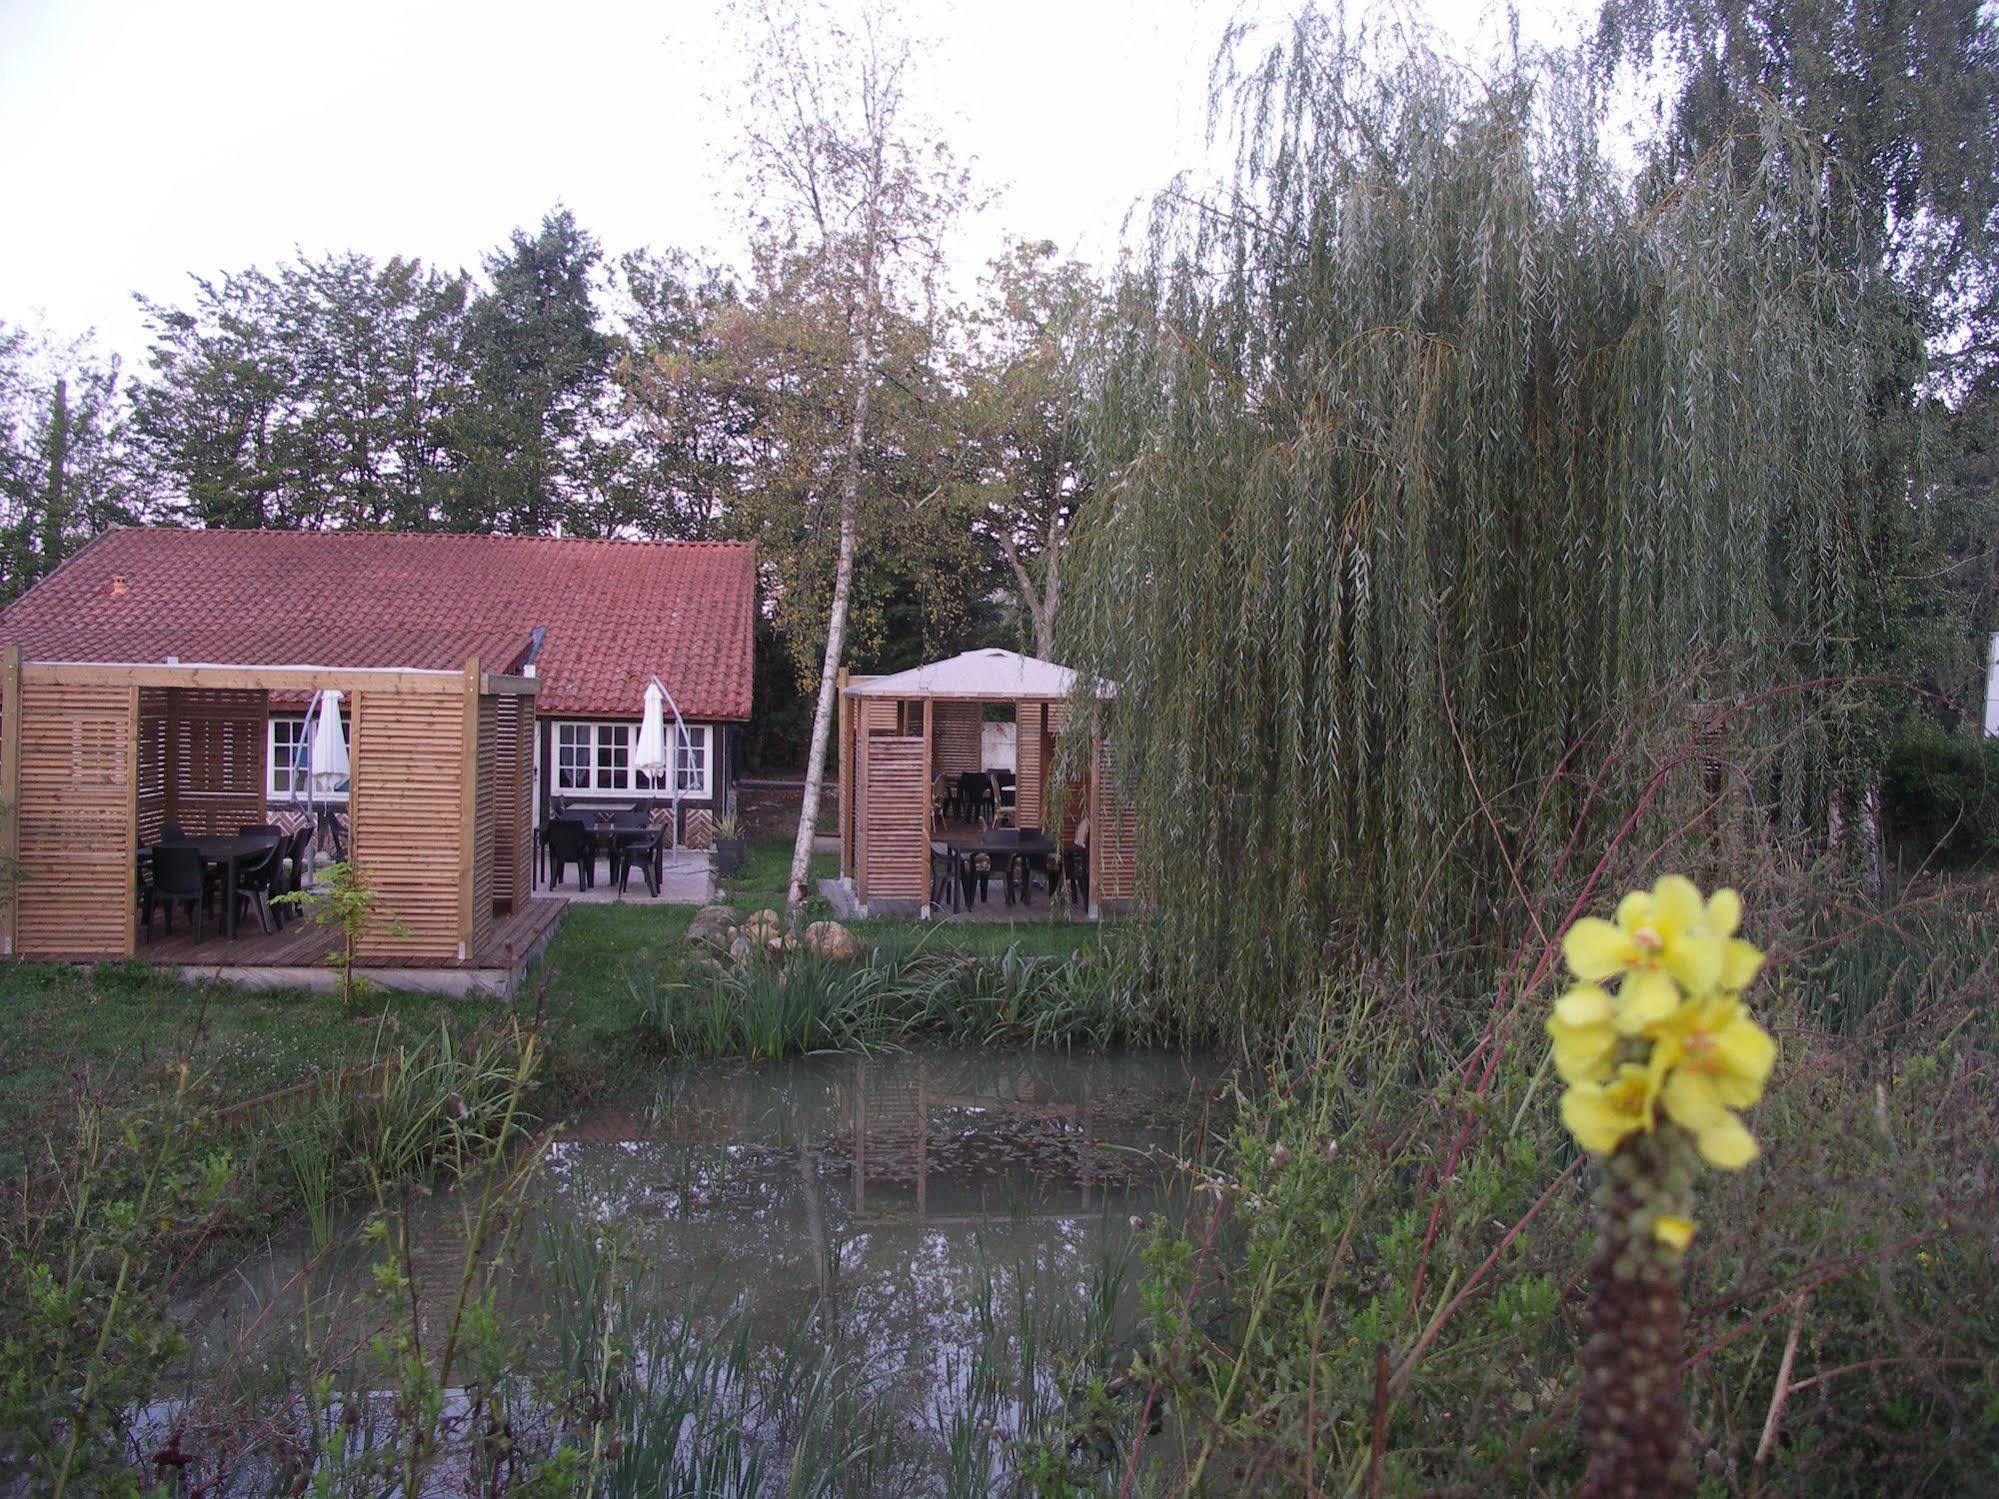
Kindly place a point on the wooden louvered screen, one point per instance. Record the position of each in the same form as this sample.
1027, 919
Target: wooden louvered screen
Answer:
214, 749
880, 715
955, 742
408, 819
512, 801
1027, 764
77, 810
1113, 833
154, 709
485, 820
895, 813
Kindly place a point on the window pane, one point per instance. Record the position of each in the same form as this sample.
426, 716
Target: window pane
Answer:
691, 762
572, 756
613, 757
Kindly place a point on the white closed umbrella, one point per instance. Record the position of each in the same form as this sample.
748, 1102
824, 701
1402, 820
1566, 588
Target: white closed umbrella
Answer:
650, 758
329, 746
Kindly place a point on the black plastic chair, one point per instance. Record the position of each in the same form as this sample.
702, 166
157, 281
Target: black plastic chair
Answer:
288, 870
569, 842
945, 887
176, 882
976, 801
172, 833
255, 879
259, 829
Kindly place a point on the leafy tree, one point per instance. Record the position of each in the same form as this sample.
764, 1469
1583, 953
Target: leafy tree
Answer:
1890, 115
1899, 105
211, 423
1443, 472
323, 394
694, 408
1029, 476
534, 440
63, 470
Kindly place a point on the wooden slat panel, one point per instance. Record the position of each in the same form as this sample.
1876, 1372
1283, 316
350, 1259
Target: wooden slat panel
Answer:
512, 800
956, 748
153, 717
1113, 833
1027, 765
408, 818
879, 715
896, 809
486, 820
214, 747
78, 784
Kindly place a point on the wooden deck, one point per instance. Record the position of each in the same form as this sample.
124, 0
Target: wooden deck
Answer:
302, 948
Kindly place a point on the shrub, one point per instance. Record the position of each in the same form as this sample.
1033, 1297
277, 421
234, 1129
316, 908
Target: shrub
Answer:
1940, 797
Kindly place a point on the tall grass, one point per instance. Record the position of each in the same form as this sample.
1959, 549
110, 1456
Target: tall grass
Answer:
764, 1010
1377, 1288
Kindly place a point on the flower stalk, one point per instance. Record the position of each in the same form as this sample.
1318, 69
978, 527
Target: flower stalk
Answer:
1657, 1068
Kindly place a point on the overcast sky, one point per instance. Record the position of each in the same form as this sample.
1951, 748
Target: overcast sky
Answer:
147, 141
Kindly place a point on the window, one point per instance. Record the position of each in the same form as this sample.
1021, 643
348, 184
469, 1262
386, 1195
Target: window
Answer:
286, 775
596, 758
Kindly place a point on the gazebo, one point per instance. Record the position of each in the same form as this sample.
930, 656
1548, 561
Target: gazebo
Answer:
899, 732
97, 757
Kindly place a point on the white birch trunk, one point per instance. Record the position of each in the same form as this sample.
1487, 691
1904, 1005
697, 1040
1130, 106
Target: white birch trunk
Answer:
836, 620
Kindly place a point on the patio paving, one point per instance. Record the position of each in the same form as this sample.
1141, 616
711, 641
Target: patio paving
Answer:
690, 881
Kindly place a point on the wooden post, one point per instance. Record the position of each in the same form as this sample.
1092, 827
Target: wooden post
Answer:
132, 751
1093, 801
845, 781
468, 798
10, 785
861, 812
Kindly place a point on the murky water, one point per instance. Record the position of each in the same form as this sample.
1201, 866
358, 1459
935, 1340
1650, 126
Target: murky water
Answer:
895, 1204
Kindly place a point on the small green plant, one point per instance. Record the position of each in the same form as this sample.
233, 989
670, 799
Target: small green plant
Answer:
728, 827
352, 907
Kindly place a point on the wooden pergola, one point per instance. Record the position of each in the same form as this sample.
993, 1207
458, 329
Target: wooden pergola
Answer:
897, 733
96, 757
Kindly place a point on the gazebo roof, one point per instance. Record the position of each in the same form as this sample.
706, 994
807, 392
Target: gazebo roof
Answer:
987, 675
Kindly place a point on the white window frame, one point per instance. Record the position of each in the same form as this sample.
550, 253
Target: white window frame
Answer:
700, 739
277, 790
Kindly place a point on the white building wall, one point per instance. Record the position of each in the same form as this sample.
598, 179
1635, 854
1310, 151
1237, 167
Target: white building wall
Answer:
998, 746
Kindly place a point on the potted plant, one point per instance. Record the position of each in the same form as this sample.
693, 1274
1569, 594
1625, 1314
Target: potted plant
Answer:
730, 845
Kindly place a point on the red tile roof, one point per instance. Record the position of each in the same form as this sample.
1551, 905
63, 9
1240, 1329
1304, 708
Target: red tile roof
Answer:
616, 612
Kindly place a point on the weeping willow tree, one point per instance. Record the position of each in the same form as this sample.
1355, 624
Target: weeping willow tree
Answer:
1432, 452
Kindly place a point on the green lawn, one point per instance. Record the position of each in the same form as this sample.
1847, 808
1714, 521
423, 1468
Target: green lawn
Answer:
119, 1031
761, 884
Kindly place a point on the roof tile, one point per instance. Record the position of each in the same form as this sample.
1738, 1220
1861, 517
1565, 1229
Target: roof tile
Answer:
617, 612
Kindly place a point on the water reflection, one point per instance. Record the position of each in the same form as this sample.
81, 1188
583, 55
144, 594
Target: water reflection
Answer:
903, 1214
879, 1184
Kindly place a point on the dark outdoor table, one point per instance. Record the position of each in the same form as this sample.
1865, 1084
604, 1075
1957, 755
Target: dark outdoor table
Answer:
997, 842
228, 852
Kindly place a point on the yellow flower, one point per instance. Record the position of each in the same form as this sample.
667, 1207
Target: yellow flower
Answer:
1675, 1232
1715, 1059
1739, 961
1662, 942
1601, 1115
1585, 1035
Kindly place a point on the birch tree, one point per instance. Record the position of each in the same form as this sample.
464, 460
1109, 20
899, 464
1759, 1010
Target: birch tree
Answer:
841, 169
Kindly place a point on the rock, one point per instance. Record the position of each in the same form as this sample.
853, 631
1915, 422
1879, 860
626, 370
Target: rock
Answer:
763, 926
742, 949
831, 941
711, 925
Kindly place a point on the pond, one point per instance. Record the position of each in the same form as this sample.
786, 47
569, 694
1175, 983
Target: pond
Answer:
948, 1225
